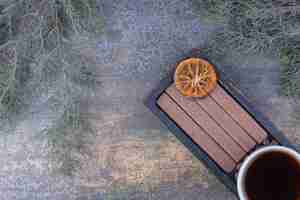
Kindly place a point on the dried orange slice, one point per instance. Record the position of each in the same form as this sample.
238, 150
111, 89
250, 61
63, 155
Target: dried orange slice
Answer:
195, 77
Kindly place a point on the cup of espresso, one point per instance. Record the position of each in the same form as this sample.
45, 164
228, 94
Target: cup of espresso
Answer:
270, 173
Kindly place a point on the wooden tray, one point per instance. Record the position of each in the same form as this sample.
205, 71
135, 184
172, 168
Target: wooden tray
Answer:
158, 103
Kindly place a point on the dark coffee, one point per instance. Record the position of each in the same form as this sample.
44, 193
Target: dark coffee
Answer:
273, 176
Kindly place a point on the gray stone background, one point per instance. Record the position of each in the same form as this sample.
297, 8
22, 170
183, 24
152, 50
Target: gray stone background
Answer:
133, 155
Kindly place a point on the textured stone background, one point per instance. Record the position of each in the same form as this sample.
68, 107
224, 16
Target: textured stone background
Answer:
133, 155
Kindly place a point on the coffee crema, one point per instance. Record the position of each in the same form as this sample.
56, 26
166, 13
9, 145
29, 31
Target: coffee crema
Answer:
273, 176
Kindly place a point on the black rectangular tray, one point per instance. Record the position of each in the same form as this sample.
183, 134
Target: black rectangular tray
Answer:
227, 178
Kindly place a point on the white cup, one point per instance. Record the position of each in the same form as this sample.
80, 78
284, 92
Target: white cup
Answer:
251, 160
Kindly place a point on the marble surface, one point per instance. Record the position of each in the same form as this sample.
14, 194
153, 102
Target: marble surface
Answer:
133, 155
